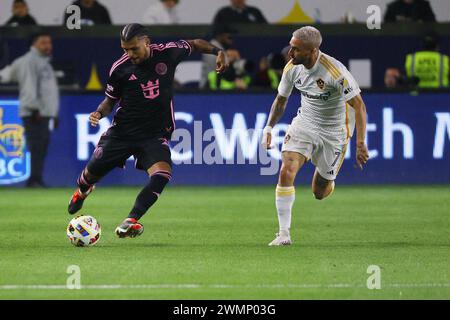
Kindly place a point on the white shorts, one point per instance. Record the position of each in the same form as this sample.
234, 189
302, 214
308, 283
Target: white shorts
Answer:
325, 152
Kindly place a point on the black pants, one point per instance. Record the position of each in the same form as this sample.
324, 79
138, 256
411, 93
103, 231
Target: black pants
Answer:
37, 135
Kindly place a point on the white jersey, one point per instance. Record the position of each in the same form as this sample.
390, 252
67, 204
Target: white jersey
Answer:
325, 89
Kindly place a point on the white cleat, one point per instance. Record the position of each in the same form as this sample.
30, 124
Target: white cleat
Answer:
282, 239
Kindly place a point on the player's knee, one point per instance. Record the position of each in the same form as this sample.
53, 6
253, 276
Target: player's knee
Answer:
287, 174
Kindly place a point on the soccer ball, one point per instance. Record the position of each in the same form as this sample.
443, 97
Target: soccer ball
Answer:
84, 231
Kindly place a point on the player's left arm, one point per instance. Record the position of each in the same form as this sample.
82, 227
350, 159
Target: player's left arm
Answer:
362, 153
203, 46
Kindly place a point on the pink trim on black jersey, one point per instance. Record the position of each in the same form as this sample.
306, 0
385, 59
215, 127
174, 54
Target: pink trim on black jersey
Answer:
189, 45
162, 46
122, 59
173, 116
172, 44
112, 97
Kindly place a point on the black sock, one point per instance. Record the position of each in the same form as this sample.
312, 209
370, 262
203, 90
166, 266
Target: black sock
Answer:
84, 183
151, 192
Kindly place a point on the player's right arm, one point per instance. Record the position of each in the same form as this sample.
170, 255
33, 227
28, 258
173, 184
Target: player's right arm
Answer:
113, 93
103, 110
279, 104
276, 112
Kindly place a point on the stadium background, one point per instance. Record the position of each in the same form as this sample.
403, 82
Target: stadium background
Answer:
211, 243
407, 131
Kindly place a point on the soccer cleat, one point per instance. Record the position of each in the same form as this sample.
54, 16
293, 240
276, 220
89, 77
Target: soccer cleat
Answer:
78, 197
282, 239
129, 228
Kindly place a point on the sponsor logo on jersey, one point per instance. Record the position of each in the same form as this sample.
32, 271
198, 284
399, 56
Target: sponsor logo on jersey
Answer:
151, 89
344, 83
323, 96
348, 90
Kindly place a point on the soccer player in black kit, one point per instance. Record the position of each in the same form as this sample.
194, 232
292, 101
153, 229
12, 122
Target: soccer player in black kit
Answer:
141, 83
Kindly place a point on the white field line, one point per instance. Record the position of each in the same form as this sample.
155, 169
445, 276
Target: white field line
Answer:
222, 286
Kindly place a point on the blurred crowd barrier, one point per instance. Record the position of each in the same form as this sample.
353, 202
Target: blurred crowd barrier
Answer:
85, 56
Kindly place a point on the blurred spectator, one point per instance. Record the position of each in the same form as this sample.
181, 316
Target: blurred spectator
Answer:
392, 78
39, 100
239, 12
20, 15
222, 39
4, 52
92, 12
409, 10
270, 71
236, 77
162, 12
430, 66
348, 18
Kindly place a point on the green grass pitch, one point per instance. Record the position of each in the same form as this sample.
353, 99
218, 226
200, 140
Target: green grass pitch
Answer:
211, 243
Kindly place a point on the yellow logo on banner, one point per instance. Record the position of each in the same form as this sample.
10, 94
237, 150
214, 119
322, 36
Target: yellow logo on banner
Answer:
94, 81
297, 15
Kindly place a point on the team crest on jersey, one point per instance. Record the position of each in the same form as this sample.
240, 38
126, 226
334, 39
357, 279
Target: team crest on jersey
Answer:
161, 68
287, 138
320, 84
151, 89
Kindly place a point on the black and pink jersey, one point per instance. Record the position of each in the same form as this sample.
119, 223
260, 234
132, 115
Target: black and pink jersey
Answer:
144, 92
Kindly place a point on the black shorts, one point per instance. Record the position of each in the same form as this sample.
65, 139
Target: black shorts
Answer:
113, 152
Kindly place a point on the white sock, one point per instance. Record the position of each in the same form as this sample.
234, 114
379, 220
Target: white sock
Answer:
285, 197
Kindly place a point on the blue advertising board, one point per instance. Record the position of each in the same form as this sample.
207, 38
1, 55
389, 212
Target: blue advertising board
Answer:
217, 141
15, 163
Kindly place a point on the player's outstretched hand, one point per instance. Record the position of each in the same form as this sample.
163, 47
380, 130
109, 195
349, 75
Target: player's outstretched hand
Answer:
266, 140
362, 154
221, 62
94, 118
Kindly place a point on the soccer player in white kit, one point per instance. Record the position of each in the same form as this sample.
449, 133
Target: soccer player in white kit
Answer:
330, 105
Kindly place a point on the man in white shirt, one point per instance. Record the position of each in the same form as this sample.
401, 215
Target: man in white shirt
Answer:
162, 12
330, 105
